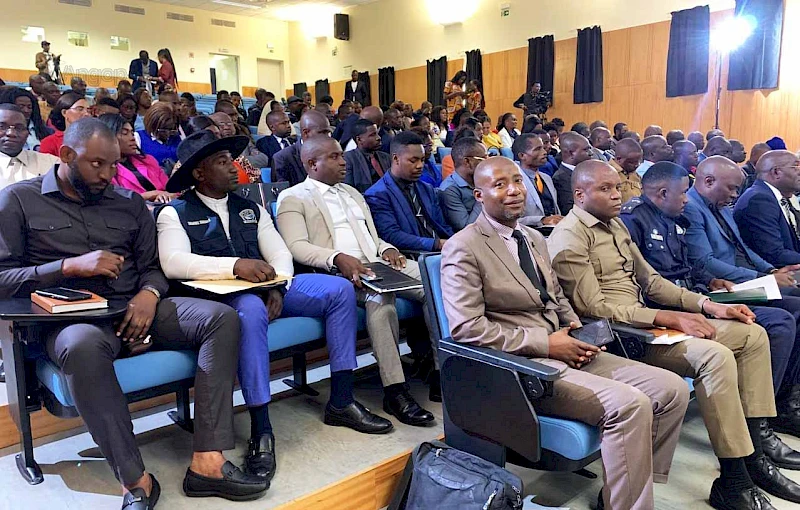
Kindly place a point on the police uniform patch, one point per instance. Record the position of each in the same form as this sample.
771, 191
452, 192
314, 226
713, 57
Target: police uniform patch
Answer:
679, 230
248, 216
655, 235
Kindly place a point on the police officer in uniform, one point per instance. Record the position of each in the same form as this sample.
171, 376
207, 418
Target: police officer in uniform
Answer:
657, 226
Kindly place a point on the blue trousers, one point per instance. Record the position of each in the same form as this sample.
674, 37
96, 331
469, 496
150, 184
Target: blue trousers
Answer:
310, 295
781, 328
791, 304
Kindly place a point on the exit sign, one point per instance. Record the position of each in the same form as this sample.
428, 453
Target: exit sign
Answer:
505, 12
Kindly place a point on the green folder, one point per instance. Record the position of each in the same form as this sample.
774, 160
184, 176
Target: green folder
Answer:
745, 297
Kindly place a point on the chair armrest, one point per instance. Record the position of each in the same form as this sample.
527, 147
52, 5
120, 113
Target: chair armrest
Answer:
641, 335
501, 359
416, 254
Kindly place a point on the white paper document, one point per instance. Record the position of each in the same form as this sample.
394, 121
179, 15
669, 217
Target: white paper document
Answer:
768, 283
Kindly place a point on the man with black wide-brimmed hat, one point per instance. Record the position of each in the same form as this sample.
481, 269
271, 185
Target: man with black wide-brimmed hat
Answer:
210, 233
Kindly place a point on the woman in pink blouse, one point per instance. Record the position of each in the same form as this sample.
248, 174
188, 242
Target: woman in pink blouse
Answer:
136, 171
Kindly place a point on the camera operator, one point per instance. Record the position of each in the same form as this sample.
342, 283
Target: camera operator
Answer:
48, 64
535, 101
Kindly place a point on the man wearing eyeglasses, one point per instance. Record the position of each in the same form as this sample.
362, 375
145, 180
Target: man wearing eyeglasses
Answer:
17, 164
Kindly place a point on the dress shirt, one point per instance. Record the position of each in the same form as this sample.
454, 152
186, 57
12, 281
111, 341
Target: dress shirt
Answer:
353, 85
344, 239
178, 261
281, 141
351, 146
505, 233
644, 167
41, 227
779, 198
630, 183
570, 167
26, 165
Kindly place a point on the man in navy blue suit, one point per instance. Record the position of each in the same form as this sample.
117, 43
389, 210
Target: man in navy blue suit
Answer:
281, 127
141, 70
768, 220
286, 164
406, 210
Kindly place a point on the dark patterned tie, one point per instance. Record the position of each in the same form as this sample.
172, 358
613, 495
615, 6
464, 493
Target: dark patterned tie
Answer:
527, 265
794, 216
419, 213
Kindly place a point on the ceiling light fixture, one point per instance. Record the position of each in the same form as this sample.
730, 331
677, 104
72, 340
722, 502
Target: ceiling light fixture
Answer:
236, 4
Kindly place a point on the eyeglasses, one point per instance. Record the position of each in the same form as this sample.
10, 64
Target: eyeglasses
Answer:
17, 128
79, 109
169, 132
477, 158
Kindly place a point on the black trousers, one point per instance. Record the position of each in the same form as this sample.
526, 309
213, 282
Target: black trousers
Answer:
86, 353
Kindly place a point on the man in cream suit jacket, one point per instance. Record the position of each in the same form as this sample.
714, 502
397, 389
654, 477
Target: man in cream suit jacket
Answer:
500, 291
327, 225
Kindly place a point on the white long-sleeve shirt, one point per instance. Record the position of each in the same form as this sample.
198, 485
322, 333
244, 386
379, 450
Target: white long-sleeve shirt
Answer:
178, 261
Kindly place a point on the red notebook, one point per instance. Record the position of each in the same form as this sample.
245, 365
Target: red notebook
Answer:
60, 306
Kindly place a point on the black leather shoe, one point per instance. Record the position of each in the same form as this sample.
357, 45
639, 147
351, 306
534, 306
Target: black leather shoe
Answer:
235, 485
748, 499
787, 421
260, 458
767, 476
435, 387
777, 451
601, 505
403, 407
358, 418
137, 500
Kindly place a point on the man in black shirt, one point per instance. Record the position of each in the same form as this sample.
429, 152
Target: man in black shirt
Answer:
71, 228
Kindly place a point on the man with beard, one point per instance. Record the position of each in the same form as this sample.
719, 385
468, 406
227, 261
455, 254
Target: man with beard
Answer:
70, 227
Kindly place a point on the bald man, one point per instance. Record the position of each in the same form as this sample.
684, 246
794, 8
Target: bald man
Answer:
749, 168
765, 215
697, 138
627, 159
280, 138
654, 149
685, 155
653, 130
328, 226
716, 146
499, 291
287, 165
605, 275
675, 135
575, 149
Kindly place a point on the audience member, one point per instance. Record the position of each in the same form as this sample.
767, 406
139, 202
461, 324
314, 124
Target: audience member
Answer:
78, 86
654, 149
346, 242
628, 157
143, 103
653, 130
327, 99
160, 137
142, 71
714, 133
35, 124
541, 202
345, 110
225, 119
633, 135
620, 128
136, 171
552, 131
189, 104
127, 108
500, 292
236, 99
70, 108
604, 275
749, 168
124, 88
104, 106
456, 192
270, 107
596, 124
776, 143
602, 143
280, 138
581, 128
371, 113
306, 98
254, 112
575, 149
765, 215
685, 154
558, 122
100, 93
716, 146
407, 212
367, 164
167, 76
50, 93
471, 127
491, 139
287, 164
551, 166
35, 85
738, 152
697, 138
454, 94
531, 124
458, 120
440, 122
392, 125
674, 136
77, 193
16, 162
507, 129
430, 172
474, 96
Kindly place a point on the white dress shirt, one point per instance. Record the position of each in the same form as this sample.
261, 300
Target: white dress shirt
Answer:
351, 145
779, 197
25, 165
644, 167
344, 240
178, 261
353, 85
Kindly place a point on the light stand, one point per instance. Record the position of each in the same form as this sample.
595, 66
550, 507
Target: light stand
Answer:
726, 38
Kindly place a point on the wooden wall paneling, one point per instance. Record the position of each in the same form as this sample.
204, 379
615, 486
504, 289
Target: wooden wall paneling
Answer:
373, 84
453, 66
289, 92
411, 85
640, 52
616, 59
249, 91
337, 92
19, 75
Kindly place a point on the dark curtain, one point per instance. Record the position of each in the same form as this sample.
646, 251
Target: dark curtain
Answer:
321, 89
299, 88
589, 66
755, 64
364, 78
437, 75
475, 71
541, 62
687, 60
386, 85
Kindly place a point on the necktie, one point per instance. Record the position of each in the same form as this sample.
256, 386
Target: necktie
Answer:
376, 164
423, 223
526, 263
793, 216
539, 183
369, 251
731, 235
284, 143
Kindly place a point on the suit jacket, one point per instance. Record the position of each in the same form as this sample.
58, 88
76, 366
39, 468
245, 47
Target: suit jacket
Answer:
763, 225
562, 181
710, 248
458, 202
359, 170
396, 221
386, 140
488, 299
135, 70
287, 166
534, 210
344, 130
269, 146
359, 95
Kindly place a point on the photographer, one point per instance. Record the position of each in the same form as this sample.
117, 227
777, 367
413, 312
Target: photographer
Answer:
48, 63
535, 101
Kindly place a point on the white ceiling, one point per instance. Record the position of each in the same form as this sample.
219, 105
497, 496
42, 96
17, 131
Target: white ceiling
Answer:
268, 8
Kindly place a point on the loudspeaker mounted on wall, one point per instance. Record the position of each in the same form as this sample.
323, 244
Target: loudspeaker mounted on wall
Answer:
341, 27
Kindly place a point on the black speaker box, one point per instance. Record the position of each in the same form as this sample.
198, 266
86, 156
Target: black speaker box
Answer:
341, 27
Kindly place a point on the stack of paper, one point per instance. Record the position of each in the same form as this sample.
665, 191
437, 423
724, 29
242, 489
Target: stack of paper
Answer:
768, 284
233, 286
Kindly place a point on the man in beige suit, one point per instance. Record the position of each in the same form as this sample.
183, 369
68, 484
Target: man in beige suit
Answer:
605, 275
327, 225
499, 291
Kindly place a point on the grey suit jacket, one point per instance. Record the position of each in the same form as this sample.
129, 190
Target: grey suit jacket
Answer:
488, 299
534, 211
305, 223
458, 203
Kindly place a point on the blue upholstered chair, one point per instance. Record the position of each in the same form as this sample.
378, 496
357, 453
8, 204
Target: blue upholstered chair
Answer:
442, 152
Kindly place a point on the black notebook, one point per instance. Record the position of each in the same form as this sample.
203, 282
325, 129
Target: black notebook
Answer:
389, 279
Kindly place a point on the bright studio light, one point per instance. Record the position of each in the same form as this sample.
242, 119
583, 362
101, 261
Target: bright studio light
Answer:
732, 33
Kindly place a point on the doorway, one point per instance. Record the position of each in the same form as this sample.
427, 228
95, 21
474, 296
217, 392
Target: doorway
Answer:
224, 72
270, 76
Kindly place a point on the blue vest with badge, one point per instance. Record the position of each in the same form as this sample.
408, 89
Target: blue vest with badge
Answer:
205, 230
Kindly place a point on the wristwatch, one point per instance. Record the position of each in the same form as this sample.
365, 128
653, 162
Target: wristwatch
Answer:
154, 290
